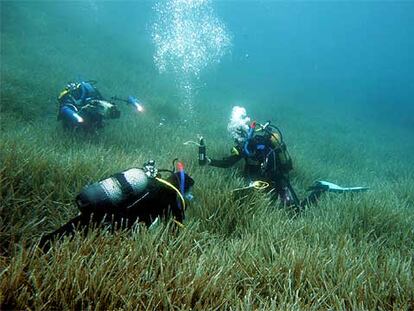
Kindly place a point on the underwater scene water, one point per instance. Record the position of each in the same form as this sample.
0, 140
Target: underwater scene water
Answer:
94, 89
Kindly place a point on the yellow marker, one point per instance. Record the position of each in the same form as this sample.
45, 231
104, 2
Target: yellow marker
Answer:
257, 185
260, 184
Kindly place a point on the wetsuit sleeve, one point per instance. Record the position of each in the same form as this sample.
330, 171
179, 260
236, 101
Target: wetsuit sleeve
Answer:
65, 98
95, 94
226, 162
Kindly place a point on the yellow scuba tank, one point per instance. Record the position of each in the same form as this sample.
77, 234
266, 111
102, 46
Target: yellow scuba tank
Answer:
282, 155
278, 159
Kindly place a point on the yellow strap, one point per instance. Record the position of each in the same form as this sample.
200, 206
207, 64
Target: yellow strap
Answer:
163, 181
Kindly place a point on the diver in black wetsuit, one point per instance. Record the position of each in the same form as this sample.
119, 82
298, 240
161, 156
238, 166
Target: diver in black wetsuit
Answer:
135, 195
266, 159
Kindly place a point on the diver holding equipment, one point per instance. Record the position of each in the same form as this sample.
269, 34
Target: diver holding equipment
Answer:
267, 161
132, 101
81, 105
134, 195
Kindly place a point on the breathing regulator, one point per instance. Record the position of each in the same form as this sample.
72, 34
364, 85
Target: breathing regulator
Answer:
150, 169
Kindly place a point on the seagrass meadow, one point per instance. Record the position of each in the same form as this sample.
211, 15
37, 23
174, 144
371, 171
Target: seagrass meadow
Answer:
350, 122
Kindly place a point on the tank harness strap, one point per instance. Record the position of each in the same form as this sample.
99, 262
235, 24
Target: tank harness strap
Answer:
125, 185
272, 153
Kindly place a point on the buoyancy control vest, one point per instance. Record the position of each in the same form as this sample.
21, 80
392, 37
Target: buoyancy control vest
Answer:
78, 93
268, 150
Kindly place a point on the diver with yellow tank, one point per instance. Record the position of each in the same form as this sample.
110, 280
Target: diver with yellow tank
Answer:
267, 160
81, 106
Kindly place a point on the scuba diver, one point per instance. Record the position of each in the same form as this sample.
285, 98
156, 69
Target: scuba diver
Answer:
267, 160
81, 105
135, 195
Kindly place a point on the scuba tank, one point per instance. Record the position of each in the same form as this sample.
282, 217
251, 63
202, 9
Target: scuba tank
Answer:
70, 113
202, 158
278, 159
107, 195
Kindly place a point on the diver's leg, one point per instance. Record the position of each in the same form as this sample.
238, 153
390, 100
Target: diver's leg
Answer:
67, 229
286, 193
99, 122
312, 198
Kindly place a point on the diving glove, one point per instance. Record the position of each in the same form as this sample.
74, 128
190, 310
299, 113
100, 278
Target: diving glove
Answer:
206, 161
323, 185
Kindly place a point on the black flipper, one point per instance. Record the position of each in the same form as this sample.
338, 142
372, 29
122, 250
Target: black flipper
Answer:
66, 230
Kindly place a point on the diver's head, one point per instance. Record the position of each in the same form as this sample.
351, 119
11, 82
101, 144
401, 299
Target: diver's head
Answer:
238, 125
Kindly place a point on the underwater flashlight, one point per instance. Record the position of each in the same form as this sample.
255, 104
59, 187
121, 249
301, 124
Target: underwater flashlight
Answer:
79, 118
140, 108
202, 158
135, 102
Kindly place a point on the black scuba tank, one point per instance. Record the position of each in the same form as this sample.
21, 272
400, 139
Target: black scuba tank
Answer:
113, 194
202, 159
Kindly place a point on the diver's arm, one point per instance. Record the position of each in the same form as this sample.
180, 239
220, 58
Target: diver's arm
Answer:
66, 99
225, 162
98, 94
